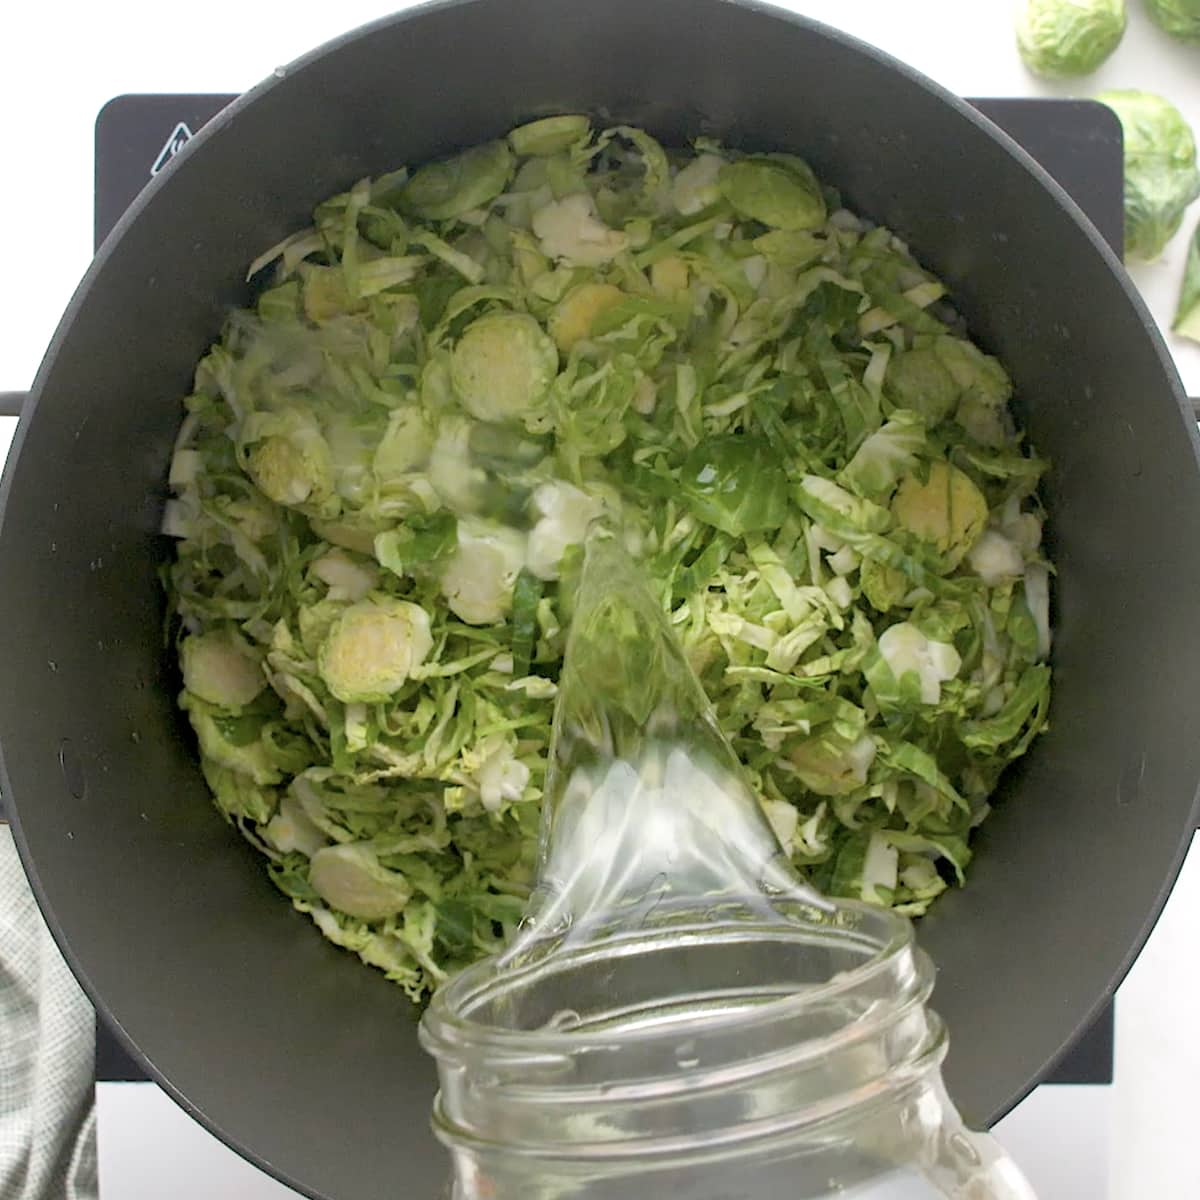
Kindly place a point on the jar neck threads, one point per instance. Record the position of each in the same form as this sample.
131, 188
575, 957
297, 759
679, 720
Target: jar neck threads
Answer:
733, 1035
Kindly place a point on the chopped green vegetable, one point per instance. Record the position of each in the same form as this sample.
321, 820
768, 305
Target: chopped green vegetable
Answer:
351, 879
289, 458
503, 366
1062, 38
570, 231
1187, 314
945, 508
221, 669
448, 189
777, 189
885, 455
573, 316
388, 466
372, 647
1161, 175
548, 136
1180, 18
737, 483
478, 581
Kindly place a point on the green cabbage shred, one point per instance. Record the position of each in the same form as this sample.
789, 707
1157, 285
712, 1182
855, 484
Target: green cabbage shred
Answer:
388, 462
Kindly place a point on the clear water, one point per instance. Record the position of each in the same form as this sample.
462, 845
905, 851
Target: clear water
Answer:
647, 809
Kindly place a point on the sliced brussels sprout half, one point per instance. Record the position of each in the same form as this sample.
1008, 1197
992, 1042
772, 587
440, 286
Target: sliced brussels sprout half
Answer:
237, 795
918, 380
572, 317
830, 765
372, 647
479, 578
289, 458
447, 189
564, 514
779, 190
345, 577
405, 445
234, 743
550, 135
946, 509
669, 276
697, 185
350, 535
571, 231
220, 668
291, 830
906, 649
995, 559
351, 879
502, 366
885, 455
883, 587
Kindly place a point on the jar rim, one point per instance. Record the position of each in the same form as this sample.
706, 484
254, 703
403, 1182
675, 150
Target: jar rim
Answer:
745, 1138
447, 1021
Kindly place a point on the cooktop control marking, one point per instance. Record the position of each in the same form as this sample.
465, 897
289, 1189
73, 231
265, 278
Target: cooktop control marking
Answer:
180, 136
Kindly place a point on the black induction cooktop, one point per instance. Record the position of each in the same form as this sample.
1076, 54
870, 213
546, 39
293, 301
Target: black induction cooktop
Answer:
1077, 141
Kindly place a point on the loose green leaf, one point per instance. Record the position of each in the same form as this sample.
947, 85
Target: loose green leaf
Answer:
1027, 703
527, 595
736, 483
1187, 314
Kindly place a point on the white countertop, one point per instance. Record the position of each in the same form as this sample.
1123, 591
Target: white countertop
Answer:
58, 65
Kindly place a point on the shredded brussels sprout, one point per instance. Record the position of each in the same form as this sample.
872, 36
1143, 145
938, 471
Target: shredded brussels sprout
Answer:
388, 464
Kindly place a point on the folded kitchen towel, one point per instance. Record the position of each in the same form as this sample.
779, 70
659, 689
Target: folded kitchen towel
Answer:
47, 1050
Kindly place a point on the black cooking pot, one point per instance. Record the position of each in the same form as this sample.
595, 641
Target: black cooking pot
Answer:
291, 1050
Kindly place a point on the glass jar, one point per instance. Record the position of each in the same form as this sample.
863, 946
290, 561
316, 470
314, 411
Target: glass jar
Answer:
707, 1056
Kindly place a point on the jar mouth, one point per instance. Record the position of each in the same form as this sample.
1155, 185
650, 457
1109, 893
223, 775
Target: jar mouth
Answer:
794, 1129
477, 1009
739, 1029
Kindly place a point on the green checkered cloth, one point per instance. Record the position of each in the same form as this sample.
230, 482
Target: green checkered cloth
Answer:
47, 1053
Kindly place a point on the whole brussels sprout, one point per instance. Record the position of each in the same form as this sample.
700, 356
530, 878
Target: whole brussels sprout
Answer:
1161, 176
1061, 38
1180, 18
